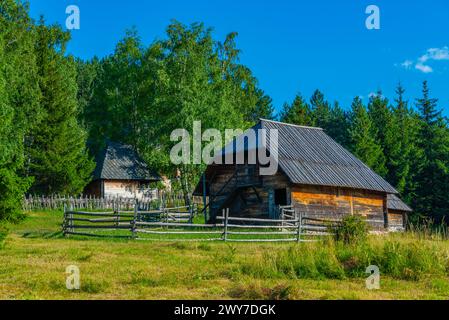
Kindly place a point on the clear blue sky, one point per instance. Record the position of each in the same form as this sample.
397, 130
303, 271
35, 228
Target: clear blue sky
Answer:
291, 46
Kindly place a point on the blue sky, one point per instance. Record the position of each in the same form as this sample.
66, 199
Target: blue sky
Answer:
291, 46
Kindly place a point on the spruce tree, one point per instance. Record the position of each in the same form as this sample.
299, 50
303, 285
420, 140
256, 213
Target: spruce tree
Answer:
321, 111
298, 112
19, 103
332, 119
338, 125
401, 158
58, 156
432, 178
363, 141
385, 129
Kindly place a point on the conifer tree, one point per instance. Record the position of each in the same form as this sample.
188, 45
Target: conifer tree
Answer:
400, 174
339, 125
298, 112
19, 103
58, 156
384, 128
321, 111
432, 178
363, 138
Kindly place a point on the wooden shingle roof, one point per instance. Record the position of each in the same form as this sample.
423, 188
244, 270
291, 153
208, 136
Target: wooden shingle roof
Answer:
309, 156
121, 162
394, 203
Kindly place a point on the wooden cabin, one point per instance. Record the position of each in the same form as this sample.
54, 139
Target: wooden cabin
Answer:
397, 212
120, 172
315, 175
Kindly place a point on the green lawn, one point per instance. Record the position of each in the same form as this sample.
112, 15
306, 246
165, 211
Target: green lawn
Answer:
34, 256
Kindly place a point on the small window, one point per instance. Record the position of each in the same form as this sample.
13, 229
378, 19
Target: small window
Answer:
280, 197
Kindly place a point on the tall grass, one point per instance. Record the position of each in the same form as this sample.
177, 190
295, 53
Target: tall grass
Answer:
405, 258
427, 229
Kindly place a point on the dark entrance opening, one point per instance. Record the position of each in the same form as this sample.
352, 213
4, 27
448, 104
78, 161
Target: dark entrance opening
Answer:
280, 197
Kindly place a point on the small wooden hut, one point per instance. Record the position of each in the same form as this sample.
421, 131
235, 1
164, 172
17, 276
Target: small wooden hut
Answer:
120, 172
316, 175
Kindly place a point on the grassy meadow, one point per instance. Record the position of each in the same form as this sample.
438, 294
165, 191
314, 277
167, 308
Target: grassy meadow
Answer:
34, 256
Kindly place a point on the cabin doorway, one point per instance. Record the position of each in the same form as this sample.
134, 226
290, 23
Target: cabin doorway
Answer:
280, 197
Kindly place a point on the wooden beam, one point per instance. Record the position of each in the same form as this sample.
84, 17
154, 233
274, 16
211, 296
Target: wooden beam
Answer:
385, 210
204, 197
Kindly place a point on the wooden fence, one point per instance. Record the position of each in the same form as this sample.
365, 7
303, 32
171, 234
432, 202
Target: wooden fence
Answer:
176, 224
160, 199
75, 222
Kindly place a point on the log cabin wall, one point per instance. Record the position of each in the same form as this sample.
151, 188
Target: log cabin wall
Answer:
258, 198
334, 203
396, 219
218, 191
273, 184
259, 201
120, 188
245, 193
126, 189
308, 160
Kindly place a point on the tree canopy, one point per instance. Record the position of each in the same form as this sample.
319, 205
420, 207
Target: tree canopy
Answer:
58, 111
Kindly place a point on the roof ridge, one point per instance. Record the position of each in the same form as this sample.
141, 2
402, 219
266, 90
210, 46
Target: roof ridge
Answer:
290, 124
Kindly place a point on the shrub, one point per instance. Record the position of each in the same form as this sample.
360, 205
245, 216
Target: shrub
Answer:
351, 229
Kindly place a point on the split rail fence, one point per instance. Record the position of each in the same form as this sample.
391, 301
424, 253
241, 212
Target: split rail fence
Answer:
176, 224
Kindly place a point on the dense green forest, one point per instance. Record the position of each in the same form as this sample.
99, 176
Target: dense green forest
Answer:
58, 111
42, 143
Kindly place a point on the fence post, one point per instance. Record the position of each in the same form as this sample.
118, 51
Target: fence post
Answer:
226, 215
133, 230
299, 226
191, 213
166, 212
118, 215
64, 222
281, 215
137, 205
71, 224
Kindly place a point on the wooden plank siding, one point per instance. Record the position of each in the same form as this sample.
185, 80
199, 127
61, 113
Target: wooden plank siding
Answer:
396, 219
117, 188
250, 199
334, 203
323, 202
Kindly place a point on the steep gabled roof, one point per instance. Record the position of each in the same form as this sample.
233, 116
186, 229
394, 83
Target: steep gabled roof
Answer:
309, 156
394, 203
121, 162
